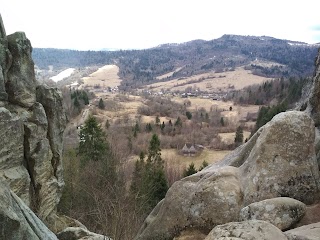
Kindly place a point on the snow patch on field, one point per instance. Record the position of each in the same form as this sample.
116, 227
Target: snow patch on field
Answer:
62, 75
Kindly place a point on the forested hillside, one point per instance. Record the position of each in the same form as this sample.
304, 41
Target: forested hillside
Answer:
265, 56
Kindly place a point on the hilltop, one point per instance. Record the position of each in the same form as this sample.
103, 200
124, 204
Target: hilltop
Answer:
264, 56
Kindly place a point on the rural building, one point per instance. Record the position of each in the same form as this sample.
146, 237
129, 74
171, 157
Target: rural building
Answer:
189, 150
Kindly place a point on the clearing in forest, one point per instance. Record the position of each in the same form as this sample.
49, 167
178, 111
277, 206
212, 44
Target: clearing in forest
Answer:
106, 76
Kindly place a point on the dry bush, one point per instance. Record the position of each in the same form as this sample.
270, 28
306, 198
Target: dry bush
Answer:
173, 172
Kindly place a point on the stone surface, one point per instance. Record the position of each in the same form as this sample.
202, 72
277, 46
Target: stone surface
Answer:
307, 232
278, 161
12, 165
5, 61
314, 102
38, 156
21, 83
200, 201
312, 215
17, 221
51, 99
282, 163
281, 212
248, 230
76, 233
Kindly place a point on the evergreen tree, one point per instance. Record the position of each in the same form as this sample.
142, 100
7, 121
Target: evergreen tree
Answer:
190, 170
178, 123
239, 135
222, 121
149, 183
76, 103
101, 104
162, 126
148, 127
189, 115
203, 165
157, 120
107, 124
137, 176
92, 145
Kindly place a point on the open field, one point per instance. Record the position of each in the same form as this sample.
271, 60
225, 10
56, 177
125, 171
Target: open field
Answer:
212, 82
211, 156
106, 76
238, 112
228, 138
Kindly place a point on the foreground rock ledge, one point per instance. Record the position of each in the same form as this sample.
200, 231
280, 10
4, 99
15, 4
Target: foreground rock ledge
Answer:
278, 161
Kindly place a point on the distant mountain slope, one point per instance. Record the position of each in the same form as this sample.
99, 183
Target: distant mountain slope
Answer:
284, 58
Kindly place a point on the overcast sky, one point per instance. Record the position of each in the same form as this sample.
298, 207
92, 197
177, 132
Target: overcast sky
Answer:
127, 24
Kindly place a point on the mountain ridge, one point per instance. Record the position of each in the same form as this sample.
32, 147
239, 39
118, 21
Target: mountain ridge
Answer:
138, 67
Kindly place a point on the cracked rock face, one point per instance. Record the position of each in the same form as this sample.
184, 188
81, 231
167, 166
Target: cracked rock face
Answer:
32, 122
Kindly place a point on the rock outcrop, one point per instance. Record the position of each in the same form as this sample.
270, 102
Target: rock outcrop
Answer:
32, 122
279, 161
307, 232
17, 221
247, 230
281, 212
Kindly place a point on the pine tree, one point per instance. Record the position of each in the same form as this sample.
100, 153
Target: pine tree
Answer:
107, 124
239, 135
149, 183
101, 104
189, 115
92, 145
178, 123
148, 127
190, 170
222, 121
203, 165
157, 120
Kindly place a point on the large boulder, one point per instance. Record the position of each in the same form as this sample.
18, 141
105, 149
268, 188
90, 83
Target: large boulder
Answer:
248, 230
200, 201
17, 221
21, 83
282, 212
278, 161
307, 232
282, 162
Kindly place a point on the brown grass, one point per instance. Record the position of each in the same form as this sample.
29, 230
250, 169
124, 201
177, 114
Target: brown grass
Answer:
106, 76
171, 156
228, 138
238, 79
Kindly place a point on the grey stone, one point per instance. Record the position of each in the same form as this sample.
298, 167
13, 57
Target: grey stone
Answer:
17, 221
248, 230
200, 201
282, 212
51, 100
12, 165
21, 83
307, 232
282, 163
